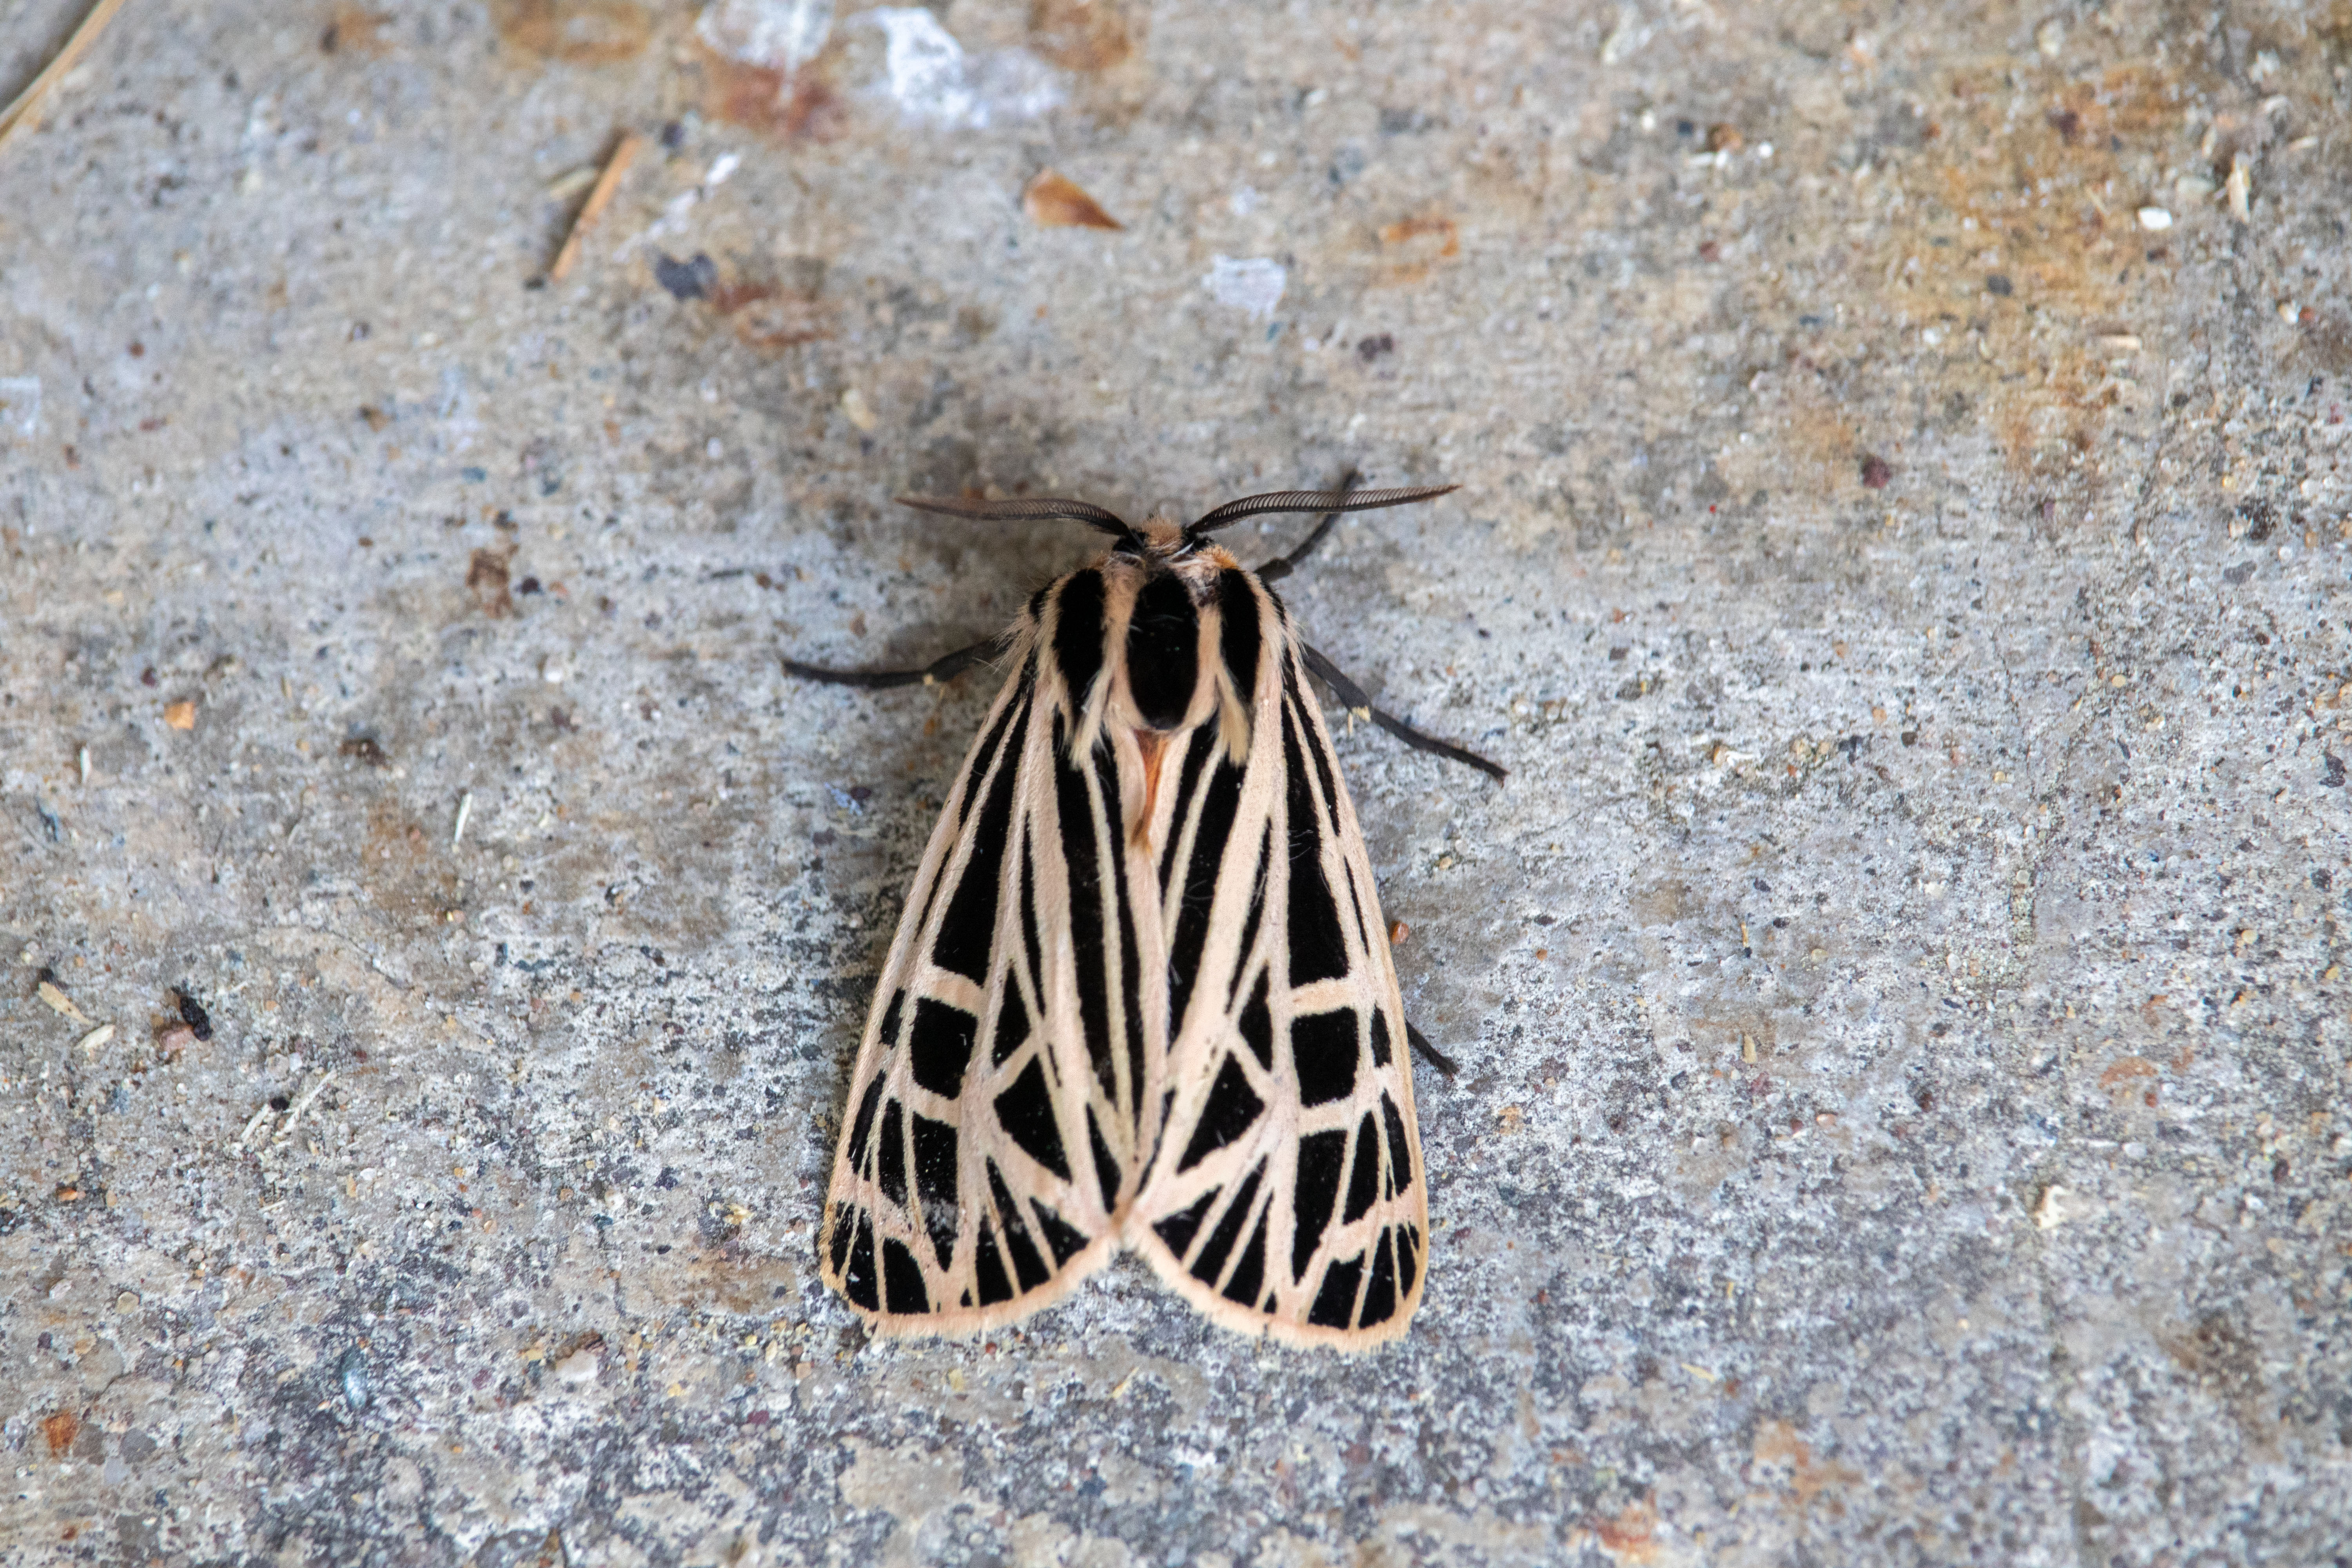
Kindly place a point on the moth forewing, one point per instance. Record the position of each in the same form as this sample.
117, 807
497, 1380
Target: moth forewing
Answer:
1285, 1197
965, 1193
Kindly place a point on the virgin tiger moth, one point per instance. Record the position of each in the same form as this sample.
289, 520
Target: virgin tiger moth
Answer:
1141, 995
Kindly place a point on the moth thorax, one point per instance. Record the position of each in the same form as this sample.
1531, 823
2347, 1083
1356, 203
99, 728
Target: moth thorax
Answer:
1164, 669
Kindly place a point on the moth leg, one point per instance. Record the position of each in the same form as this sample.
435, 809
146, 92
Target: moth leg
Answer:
1352, 696
1438, 1059
1281, 566
931, 674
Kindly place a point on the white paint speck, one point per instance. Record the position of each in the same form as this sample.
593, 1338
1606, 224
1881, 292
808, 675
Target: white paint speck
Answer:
1250, 283
1628, 36
926, 65
20, 403
2155, 219
581, 1366
781, 34
933, 81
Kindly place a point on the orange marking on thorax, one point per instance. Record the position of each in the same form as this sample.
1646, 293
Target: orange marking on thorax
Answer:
1153, 746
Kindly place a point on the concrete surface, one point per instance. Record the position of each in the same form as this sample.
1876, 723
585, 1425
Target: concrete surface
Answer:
1900, 988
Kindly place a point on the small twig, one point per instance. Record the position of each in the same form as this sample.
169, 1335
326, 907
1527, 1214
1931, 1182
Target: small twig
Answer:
26, 112
465, 810
600, 196
285, 1129
245, 1137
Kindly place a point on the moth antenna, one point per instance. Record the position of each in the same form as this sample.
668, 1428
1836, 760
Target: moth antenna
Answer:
1233, 512
1027, 509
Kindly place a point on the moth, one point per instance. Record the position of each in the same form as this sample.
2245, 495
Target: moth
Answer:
1141, 995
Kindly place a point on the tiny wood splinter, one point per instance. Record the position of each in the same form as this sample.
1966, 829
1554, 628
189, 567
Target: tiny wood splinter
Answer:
1141, 995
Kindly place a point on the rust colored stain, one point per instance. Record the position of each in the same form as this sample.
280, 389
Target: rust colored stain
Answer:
803, 107
1630, 1535
1777, 1443
2124, 1071
2004, 251
765, 317
1433, 226
60, 1429
407, 875
1412, 248
2043, 257
1080, 35
576, 32
353, 29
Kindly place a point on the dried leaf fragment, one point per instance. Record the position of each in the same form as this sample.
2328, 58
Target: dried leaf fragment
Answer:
1053, 201
54, 998
181, 715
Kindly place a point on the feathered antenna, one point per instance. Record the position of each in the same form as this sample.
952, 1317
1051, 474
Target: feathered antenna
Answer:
1032, 508
1313, 501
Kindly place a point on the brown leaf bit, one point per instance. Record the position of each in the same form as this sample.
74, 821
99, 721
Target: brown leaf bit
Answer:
1080, 35
1723, 137
376, 418
355, 29
1053, 201
486, 575
364, 749
181, 715
577, 32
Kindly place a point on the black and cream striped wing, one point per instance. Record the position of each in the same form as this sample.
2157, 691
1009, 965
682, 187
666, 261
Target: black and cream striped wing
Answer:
1286, 1195
995, 1121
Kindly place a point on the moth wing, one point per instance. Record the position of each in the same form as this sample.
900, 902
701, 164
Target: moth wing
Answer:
1286, 1195
995, 1112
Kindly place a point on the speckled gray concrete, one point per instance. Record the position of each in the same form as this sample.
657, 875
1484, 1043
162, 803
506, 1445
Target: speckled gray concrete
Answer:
1904, 1115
